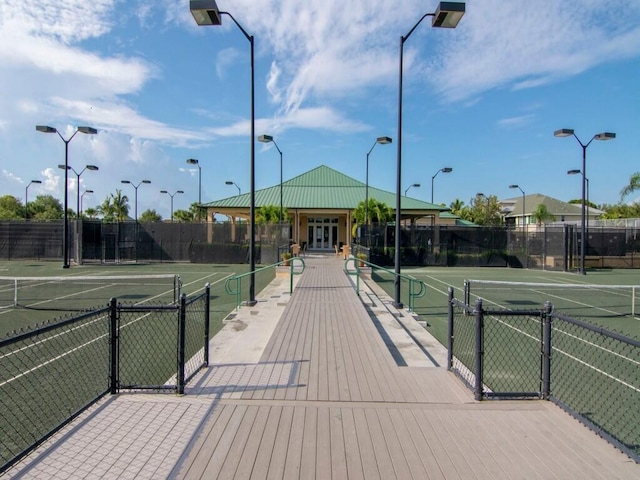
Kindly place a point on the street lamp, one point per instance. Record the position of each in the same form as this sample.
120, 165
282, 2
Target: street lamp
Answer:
579, 172
26, 197
88, 167
524, 221
205, 13
269, 139
229, 182
416, 185
65, 229
193, 161
381, 141
171, 195
82, 198
567, 132
443, 170
136, 194
447, 15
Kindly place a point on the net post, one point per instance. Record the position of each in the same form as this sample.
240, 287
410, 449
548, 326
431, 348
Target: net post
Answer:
450, 330
182, 321
479, 361
467, 294
207, 304
113, 344
546, 351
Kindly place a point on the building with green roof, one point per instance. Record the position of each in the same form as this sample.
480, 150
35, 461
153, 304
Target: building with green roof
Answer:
320, 204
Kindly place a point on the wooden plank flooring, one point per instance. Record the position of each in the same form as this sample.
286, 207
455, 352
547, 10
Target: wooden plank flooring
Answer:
327, 401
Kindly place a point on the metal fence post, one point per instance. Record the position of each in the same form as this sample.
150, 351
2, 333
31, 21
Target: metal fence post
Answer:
546, 351
450, 332
466, 292
479, 348
207, 304
113, 344
182, 320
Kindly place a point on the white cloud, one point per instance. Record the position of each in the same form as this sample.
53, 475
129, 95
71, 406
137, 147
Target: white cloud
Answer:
516, 122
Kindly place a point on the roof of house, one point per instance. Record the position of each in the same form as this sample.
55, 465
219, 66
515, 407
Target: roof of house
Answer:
321, 188
513, 207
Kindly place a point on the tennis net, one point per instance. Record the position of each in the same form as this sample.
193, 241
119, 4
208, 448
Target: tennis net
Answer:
79, 293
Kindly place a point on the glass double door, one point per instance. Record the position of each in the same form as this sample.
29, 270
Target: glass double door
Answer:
323, 233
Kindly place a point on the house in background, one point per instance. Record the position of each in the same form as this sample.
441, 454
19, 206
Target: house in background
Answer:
320, 204
518, 211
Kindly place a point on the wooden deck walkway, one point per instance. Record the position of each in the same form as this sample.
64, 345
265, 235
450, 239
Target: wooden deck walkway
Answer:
328, 401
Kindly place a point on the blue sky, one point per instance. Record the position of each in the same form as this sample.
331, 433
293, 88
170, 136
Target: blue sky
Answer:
484, 98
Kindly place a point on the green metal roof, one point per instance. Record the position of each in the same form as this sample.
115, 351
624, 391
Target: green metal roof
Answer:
554, 206
321, 188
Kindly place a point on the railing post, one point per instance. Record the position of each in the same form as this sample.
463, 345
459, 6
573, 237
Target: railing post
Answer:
546, 351
450, 332
113, 346
479, 315
182, 320
207, 305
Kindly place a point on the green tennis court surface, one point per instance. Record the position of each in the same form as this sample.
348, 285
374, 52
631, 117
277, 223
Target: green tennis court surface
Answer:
42, 301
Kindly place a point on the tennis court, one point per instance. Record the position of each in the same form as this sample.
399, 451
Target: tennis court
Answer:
609, 308
47, 299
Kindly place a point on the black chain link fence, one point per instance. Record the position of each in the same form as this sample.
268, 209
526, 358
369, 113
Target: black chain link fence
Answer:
53, 373
589, 371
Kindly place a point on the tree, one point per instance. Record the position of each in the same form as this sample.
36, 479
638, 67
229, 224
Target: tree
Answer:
379, 213
634, 184
150, 216
484, 210
115, 208
11, 208
456, 207
91, 213
578, 201
184, 216
46, 207
270, 214
541, 214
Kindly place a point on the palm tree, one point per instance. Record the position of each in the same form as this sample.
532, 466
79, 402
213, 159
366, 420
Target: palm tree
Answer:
456, 206
120, 205
634, 184
91, 213
541, 214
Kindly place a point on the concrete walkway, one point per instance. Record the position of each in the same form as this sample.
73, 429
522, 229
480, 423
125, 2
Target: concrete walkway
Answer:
310, 386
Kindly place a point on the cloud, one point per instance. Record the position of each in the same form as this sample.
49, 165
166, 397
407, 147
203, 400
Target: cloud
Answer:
516, 122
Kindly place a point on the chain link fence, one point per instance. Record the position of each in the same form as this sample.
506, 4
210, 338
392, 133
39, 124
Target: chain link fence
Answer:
51, 374
591, 372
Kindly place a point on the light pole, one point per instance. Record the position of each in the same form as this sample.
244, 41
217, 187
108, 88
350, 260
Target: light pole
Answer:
416, 185
447, 15
269, 139
443, 170
193, 161
65, 229
82, 198
524, 222
136, 194
229, 182
172, 195
579, 172
26, 198
206, 12
88, 167
381, 141
567, 132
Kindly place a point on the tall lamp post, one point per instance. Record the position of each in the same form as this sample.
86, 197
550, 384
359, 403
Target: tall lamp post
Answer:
136, 194
205, 13
88, 167
443, 170
447, 15
229, 182
26, 198
269, 139
65, 229
381, 141
416, 185
82, 198
524, 222
193, 161
567, 132
172, 195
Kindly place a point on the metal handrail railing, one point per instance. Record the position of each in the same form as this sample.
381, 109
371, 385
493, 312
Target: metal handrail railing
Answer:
238, 278
417, 288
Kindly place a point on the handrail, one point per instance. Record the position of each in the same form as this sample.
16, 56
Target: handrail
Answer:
238, 278
413, 282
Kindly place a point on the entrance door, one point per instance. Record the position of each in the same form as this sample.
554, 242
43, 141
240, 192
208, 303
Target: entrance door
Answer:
323, 233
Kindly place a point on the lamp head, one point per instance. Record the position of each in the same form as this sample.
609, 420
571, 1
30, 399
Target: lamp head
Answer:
36, 181
514, 186
447, 170
146, 181
192, 161
205, 12
448, 14
45, 129
416, 185
383, 140
64, 167
265, 138
563, 132
180, 191
88, 130
605, 136
92, 167
574, 172
163, 191
88, 191
125, 181
228, 182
